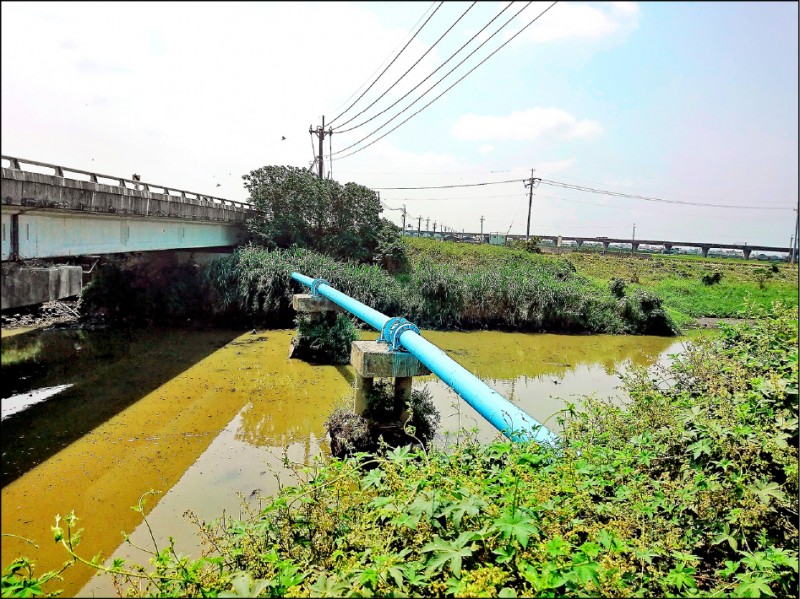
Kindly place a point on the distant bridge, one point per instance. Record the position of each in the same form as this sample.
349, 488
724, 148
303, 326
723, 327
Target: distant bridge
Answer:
579, 240
68, 212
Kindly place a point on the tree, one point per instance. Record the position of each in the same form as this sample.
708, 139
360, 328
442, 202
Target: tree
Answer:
296, 208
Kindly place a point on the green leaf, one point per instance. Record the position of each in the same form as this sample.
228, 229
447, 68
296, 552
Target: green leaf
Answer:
515, 526
448, 552
767, 490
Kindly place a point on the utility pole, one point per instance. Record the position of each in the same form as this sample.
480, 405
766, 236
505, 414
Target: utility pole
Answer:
419, 225
320, 133
434, 228
481, 226
793, 255
532, 182
633, 236
404, 219
427, 223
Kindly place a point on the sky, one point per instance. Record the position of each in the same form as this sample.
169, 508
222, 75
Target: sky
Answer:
679, 102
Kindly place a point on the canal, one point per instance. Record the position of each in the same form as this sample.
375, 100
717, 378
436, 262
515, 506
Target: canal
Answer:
92, 420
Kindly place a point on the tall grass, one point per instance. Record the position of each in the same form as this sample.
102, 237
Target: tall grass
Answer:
517, 293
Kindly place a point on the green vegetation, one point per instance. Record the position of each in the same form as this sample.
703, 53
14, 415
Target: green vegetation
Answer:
324, 338
493, 287
689, 490
298, 209
695, 288
386, 422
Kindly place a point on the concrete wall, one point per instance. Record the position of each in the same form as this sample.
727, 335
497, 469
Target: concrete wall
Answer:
29, 286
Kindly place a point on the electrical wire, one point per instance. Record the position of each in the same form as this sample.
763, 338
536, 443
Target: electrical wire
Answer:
449, 88
389, 65
449, 29
483, 43
620, 194
358, 89
452, 186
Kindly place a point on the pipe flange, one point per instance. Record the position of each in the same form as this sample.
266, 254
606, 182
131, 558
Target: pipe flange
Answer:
392, 331
315, 286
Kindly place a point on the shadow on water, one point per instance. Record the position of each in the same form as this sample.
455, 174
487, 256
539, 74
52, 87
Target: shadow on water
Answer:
108, 371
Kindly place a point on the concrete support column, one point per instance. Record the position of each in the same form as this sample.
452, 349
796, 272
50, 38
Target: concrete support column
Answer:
315, 308
605, 246
579, 242
668, 248
746, 254
704, 250
373, 359
363, 387
634, 246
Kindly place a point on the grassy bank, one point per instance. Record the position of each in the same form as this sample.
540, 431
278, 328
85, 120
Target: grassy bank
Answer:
679, 281
485, 288
686, 491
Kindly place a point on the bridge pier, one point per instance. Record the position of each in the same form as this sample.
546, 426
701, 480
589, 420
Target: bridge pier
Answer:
373, 359
579, 242
746, 253
605, 246
704, 250
634, 246
667, 248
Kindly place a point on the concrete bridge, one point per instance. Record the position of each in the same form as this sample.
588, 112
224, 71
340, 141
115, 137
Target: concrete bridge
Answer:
65, 212
704, 246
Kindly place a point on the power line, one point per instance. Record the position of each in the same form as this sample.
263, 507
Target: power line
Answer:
449, 29
594, 190
389, 65
423, 94
445, 91
436, 70
358, 89
451, 186
653, 199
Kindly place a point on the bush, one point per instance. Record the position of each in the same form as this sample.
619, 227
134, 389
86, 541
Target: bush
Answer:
326, 339
712, 278
617, 287
298, 209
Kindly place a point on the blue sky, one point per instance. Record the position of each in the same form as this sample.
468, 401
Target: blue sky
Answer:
689, 102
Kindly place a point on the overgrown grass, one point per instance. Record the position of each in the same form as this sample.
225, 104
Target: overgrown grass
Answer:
511, 291
689, 490
680, 282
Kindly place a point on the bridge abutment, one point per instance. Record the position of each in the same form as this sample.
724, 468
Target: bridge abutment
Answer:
23, 286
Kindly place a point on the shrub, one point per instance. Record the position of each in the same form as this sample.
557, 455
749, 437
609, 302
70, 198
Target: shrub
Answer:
712, 278
617, 287
326, 339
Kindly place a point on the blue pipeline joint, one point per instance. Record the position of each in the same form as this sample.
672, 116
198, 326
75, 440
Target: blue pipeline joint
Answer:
391, 331
315, 286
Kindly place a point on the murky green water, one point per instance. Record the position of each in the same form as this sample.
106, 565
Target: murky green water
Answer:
202, 416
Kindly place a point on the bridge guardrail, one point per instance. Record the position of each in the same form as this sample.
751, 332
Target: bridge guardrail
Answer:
60, 171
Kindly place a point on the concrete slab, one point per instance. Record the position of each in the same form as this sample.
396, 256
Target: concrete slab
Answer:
375, 360
305, 302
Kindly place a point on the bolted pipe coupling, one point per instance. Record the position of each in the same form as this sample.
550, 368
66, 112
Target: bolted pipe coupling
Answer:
315, 286
391, 331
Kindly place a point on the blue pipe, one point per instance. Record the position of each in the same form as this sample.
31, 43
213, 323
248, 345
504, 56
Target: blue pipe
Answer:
514, 423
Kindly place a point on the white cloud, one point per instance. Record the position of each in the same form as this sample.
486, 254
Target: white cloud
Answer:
569, 20
525, 125
486, 149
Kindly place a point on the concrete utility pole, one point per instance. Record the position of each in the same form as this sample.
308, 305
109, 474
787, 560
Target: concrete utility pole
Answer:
793, 255
532, 182
481, 225
633, 236
427, 223
320, 133
419, 224
434, 228
404, 219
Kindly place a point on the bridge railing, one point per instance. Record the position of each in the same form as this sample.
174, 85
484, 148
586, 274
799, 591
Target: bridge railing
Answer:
179, 194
